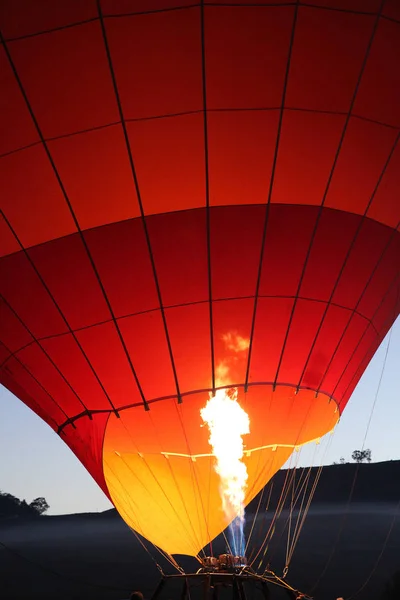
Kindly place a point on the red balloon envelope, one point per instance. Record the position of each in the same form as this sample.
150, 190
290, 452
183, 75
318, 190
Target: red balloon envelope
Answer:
190, 190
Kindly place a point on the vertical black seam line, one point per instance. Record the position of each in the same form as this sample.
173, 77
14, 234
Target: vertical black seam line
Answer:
328, 184
207, 189
390, 319
40, 385
271, 186
82, 237
142, 214
71, 331
47, 355
355, 309
347, 257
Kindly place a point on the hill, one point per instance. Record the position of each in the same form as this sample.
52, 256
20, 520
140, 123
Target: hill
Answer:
374, 482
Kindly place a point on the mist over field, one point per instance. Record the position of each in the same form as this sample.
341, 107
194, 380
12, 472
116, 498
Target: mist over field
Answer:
97, 556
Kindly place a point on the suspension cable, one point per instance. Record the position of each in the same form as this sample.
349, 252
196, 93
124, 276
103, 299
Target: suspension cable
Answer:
351, 493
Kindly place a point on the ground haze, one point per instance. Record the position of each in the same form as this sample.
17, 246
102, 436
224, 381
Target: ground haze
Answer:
97, 556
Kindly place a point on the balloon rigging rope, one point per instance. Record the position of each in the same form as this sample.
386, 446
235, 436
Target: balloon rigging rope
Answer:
300, 523
167, 556
227, 542
379, 557
398, 504
298, 495
351, 493
183, 502
208, 502
302, 517
263, 519
378, 387
193, 473
298, 489
129, 501
286, 487
195, 541
278, 510
251, 557
261, 526
271, 577
302, 492
289, 486
128, 496
263, 489
145, 462
254, 520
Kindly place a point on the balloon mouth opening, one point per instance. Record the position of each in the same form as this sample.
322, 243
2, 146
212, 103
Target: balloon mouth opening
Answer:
160, 468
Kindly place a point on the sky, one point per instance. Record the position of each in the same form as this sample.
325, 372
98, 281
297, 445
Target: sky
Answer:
34, 461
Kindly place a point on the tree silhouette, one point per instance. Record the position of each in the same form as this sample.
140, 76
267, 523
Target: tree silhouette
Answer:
39, 505
361, 455
10, 506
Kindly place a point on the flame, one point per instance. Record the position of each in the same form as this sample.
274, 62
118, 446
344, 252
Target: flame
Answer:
228, 422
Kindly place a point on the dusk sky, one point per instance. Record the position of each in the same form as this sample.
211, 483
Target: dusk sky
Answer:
36, 462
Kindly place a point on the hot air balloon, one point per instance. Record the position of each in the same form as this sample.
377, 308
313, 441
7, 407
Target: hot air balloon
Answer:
195, 196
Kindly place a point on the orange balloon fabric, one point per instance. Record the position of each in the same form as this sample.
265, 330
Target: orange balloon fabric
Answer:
189, 189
